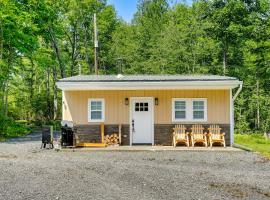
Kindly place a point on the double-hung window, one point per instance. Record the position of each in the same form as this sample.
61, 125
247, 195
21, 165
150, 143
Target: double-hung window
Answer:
189, 110
96, 110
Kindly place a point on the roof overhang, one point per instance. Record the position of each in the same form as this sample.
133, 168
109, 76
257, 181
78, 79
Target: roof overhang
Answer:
158, 85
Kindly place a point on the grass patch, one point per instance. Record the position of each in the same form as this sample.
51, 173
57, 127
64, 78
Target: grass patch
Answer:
15, 129
256, 142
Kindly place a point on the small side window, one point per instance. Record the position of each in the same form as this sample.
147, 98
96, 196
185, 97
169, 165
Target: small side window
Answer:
96, 110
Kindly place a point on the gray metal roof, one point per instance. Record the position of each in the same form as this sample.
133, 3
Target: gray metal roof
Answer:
146, 78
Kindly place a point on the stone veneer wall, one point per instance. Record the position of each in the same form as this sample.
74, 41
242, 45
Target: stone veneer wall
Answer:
162, 136
164, 133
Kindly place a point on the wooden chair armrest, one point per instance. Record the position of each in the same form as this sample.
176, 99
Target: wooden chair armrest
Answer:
223, 135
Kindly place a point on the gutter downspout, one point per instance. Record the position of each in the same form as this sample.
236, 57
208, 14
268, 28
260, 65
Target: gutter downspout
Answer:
238, 91
232, 112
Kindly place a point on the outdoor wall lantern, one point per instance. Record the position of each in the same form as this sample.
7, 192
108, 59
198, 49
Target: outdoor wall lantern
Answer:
156, 101
65, 106
126, 101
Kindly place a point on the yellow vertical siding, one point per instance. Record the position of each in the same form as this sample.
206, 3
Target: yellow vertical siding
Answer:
116, 112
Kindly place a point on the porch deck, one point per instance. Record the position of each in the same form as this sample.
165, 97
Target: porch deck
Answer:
154, 148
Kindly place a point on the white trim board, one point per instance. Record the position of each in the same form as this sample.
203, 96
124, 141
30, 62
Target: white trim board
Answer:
231, 119
211, 85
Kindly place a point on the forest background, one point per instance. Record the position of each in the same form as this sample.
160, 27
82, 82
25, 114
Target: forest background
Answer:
42, 41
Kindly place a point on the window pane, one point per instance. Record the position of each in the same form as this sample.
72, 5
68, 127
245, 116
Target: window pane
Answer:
198, 114
96, 115
145, 106
180, 114
198, 105
96, 105
93, 105
180, 105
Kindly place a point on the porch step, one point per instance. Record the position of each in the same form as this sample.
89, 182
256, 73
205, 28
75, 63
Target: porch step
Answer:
91, 145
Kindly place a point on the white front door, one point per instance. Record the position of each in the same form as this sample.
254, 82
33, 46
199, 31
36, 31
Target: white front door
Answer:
142, 121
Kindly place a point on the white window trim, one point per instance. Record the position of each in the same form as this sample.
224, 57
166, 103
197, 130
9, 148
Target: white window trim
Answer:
102, 113
189, 110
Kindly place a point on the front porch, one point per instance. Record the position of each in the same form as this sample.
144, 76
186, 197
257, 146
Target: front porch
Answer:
94, 135
149, 148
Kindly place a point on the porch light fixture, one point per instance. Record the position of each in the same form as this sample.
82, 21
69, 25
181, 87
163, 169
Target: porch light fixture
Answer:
65, 106
156, 101
126, 101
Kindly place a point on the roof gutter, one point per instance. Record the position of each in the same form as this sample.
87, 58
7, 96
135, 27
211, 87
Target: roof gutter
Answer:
238, 91
147, 85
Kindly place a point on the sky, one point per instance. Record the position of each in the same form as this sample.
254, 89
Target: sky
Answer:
126, 8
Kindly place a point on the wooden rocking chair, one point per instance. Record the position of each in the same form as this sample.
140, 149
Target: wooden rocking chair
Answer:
215, 136
197, 135
180, 135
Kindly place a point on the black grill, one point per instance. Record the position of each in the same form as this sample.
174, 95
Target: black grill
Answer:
47, 136
67, 136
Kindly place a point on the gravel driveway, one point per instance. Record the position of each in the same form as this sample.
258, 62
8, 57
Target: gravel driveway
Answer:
26, 172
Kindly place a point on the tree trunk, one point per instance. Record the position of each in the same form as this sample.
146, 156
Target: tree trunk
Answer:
258, 104
2, 86
224, 60
55, 107
31, 88
73, 51
31, 84
194, 63
5, 98
57, 53
87, 58
48, 94
1, 40
86, 46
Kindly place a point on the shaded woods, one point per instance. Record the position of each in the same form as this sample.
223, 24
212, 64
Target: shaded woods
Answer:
43, 41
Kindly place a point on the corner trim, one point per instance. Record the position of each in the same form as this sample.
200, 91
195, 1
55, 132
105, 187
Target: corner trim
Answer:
231, 119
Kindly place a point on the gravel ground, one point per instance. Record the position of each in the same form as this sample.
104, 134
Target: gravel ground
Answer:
26, 172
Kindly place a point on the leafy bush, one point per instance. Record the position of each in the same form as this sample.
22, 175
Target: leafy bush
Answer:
17, 129
4, 124
10, 128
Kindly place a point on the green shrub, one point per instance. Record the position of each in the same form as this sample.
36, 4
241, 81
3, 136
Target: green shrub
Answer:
10, 128
17, 129
4, 124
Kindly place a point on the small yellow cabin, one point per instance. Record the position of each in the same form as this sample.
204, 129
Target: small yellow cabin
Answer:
147, 106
